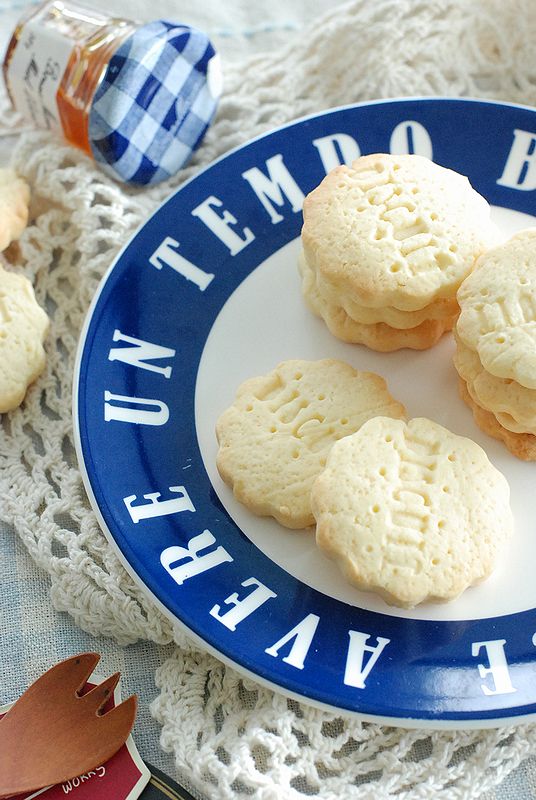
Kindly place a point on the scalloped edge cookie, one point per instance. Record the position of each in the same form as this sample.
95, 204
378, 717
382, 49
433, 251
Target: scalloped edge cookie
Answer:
411, 511
275, 437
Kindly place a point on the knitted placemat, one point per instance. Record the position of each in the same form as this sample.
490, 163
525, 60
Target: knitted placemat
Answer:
233, 738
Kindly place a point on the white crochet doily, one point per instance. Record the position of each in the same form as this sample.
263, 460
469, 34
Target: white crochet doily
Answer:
233, 738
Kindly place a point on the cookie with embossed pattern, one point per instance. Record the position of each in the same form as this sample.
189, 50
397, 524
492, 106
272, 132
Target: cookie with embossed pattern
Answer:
275, 437
14, 200
498, 310
395, 231
411, 511
23, 327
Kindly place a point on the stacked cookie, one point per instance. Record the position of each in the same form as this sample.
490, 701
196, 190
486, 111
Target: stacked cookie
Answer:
386, 244
496, 343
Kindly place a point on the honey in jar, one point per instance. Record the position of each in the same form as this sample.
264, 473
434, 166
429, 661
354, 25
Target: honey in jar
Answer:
138, 98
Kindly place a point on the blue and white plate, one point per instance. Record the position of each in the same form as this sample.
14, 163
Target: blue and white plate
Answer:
206, 295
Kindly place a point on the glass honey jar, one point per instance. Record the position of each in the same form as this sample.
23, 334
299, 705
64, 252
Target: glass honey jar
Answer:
136, 97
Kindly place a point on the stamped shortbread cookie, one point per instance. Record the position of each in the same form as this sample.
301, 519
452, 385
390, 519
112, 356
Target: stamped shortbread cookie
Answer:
521, 445
513, 405
23, 327
411, 511
274, 439
498, 310
395, 231
14, 199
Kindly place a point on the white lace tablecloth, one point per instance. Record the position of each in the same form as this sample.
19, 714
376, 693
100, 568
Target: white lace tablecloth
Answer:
62, 585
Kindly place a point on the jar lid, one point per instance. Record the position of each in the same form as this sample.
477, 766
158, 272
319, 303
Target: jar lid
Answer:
156, 99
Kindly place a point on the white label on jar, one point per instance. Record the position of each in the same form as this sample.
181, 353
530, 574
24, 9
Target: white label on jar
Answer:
36, 69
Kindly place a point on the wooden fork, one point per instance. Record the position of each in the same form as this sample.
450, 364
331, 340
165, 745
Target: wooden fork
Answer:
54, 732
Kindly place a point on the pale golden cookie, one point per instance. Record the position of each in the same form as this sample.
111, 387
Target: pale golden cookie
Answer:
274, 439
14, 199
521, 445
23, 327
313, 283
498, 310
513, 405
380, 337
411, 511
395, 231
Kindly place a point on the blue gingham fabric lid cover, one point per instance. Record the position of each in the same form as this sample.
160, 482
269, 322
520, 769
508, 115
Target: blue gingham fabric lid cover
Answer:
154, 103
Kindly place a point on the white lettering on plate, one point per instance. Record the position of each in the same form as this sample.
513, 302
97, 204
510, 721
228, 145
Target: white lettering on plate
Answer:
498, 667
520, 168
159, 508
152, 412
221, 225
411, 137
165, 254
183, 563
303, 634
336, 149
275, 186
242, 608
356, 672
141, 352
